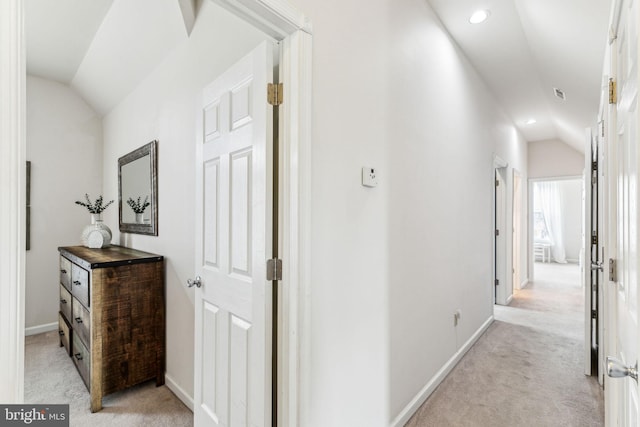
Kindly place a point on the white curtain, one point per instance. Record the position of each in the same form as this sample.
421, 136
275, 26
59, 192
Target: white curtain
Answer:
547, 197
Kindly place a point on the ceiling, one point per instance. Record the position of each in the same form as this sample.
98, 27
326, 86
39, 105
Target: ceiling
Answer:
87, 44
523, 51
529, 47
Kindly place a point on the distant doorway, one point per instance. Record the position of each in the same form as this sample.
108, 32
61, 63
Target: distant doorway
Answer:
556, 218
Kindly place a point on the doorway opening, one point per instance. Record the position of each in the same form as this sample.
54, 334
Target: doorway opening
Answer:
557, 222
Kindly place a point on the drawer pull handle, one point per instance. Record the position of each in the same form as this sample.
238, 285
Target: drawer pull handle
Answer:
63, 301
61, 332
78, 320
63, 271
78, 356
77, 282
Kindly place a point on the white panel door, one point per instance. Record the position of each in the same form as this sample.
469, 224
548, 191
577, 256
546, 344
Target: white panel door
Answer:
233, 240
625, 168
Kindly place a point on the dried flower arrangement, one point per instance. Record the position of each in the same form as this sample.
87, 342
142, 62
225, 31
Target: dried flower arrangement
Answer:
94, 207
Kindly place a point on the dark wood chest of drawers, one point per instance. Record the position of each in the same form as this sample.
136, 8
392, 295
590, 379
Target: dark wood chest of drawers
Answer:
112, 317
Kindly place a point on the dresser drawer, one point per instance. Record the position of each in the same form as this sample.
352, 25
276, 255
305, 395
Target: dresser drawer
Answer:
65, 302
80, 288
65, 273
81, 323
65, 334
82, 359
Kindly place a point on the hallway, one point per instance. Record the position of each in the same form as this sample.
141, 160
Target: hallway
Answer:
527, 370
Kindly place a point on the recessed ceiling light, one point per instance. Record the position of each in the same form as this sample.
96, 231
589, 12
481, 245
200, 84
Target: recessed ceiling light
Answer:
530, 122
479, 16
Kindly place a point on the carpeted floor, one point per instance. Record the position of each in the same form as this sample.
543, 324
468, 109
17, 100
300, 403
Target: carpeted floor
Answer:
527, 369
51, 377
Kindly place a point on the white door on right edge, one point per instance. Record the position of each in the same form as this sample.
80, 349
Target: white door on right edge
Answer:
625, 209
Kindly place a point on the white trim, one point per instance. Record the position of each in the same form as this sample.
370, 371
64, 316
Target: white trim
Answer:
430, 387
294, 225
524, 283
40, 329
499, 162
556, 178
178, 391
275, 17
12, 197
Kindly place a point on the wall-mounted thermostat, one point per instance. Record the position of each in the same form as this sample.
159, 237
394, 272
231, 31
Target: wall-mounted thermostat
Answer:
369, 177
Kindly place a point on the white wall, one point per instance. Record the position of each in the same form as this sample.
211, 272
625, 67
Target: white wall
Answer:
405, 255
163, 107
64, 145
444, 128
554, 158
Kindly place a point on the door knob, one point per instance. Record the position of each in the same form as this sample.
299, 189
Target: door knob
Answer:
617, 369
597, 266
197, 282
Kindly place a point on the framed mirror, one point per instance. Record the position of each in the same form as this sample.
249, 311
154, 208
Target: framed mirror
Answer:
138, 191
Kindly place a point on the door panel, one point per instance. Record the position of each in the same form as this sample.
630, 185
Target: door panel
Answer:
233, 242
625, 69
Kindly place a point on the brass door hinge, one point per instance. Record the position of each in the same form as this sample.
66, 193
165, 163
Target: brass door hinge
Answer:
613, 277
274, 93
613, 94
274, 269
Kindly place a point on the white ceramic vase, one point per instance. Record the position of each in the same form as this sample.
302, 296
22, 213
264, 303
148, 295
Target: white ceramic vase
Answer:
97, 235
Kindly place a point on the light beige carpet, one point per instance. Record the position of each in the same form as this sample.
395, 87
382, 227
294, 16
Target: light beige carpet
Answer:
51, 377
527, 369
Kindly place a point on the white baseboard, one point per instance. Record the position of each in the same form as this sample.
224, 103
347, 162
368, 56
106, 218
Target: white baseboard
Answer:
426, 391
34, 330
509, 299
524, 284
178, 391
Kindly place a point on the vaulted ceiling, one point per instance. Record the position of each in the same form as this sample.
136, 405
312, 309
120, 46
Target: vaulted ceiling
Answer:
523, 51
526, 48
103, 48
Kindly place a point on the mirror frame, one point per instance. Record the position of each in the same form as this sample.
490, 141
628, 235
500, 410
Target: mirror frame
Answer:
151, 228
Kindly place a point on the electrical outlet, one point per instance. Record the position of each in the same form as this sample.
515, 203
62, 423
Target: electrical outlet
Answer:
369, 177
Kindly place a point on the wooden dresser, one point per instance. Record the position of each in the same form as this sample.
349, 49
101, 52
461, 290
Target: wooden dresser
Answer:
112, 317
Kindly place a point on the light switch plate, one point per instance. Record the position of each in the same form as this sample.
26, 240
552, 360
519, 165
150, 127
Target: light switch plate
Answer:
369, 177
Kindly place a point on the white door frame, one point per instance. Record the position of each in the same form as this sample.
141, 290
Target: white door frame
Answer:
278, 19
499, 266
516, 212
500, 238
12, 198
610, 337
